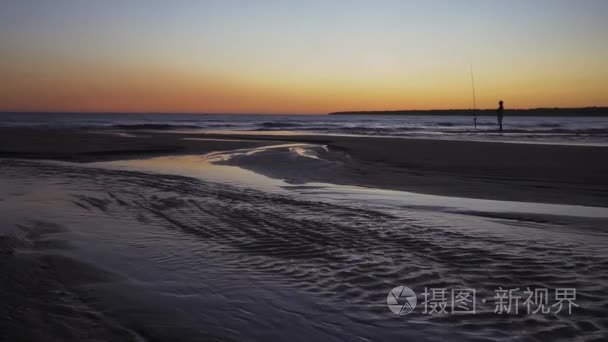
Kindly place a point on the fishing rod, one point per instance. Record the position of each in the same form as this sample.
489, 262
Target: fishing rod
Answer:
474, 100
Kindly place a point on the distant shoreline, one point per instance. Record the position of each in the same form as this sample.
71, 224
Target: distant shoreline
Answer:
586, 111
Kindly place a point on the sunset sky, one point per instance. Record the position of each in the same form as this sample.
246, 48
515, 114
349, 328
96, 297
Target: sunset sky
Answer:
300, 56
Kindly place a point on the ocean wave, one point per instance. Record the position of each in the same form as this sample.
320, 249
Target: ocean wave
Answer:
549, 125
153, 126
273, 124
377, 130
573, 131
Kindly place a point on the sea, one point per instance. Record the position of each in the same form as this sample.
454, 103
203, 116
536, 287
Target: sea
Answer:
555, 130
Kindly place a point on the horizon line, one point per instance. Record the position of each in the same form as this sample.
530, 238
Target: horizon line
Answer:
328, 113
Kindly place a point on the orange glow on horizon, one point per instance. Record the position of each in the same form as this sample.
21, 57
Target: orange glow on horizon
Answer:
120, 89
215, 57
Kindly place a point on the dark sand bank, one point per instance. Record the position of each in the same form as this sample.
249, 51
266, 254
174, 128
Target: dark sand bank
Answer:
490, 170
37, 289
86, 146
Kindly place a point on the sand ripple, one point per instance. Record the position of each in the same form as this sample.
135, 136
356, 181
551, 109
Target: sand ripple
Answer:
351, 256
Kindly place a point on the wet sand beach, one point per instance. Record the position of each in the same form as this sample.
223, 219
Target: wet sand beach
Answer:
162, 236
492, 170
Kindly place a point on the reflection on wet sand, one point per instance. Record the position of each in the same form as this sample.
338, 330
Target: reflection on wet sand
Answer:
209, 167
207, 260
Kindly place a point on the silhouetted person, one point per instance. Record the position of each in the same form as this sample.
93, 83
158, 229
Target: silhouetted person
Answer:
499, 114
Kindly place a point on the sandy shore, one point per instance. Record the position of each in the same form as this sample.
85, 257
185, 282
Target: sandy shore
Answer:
91, 253
117, 255
490, 170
